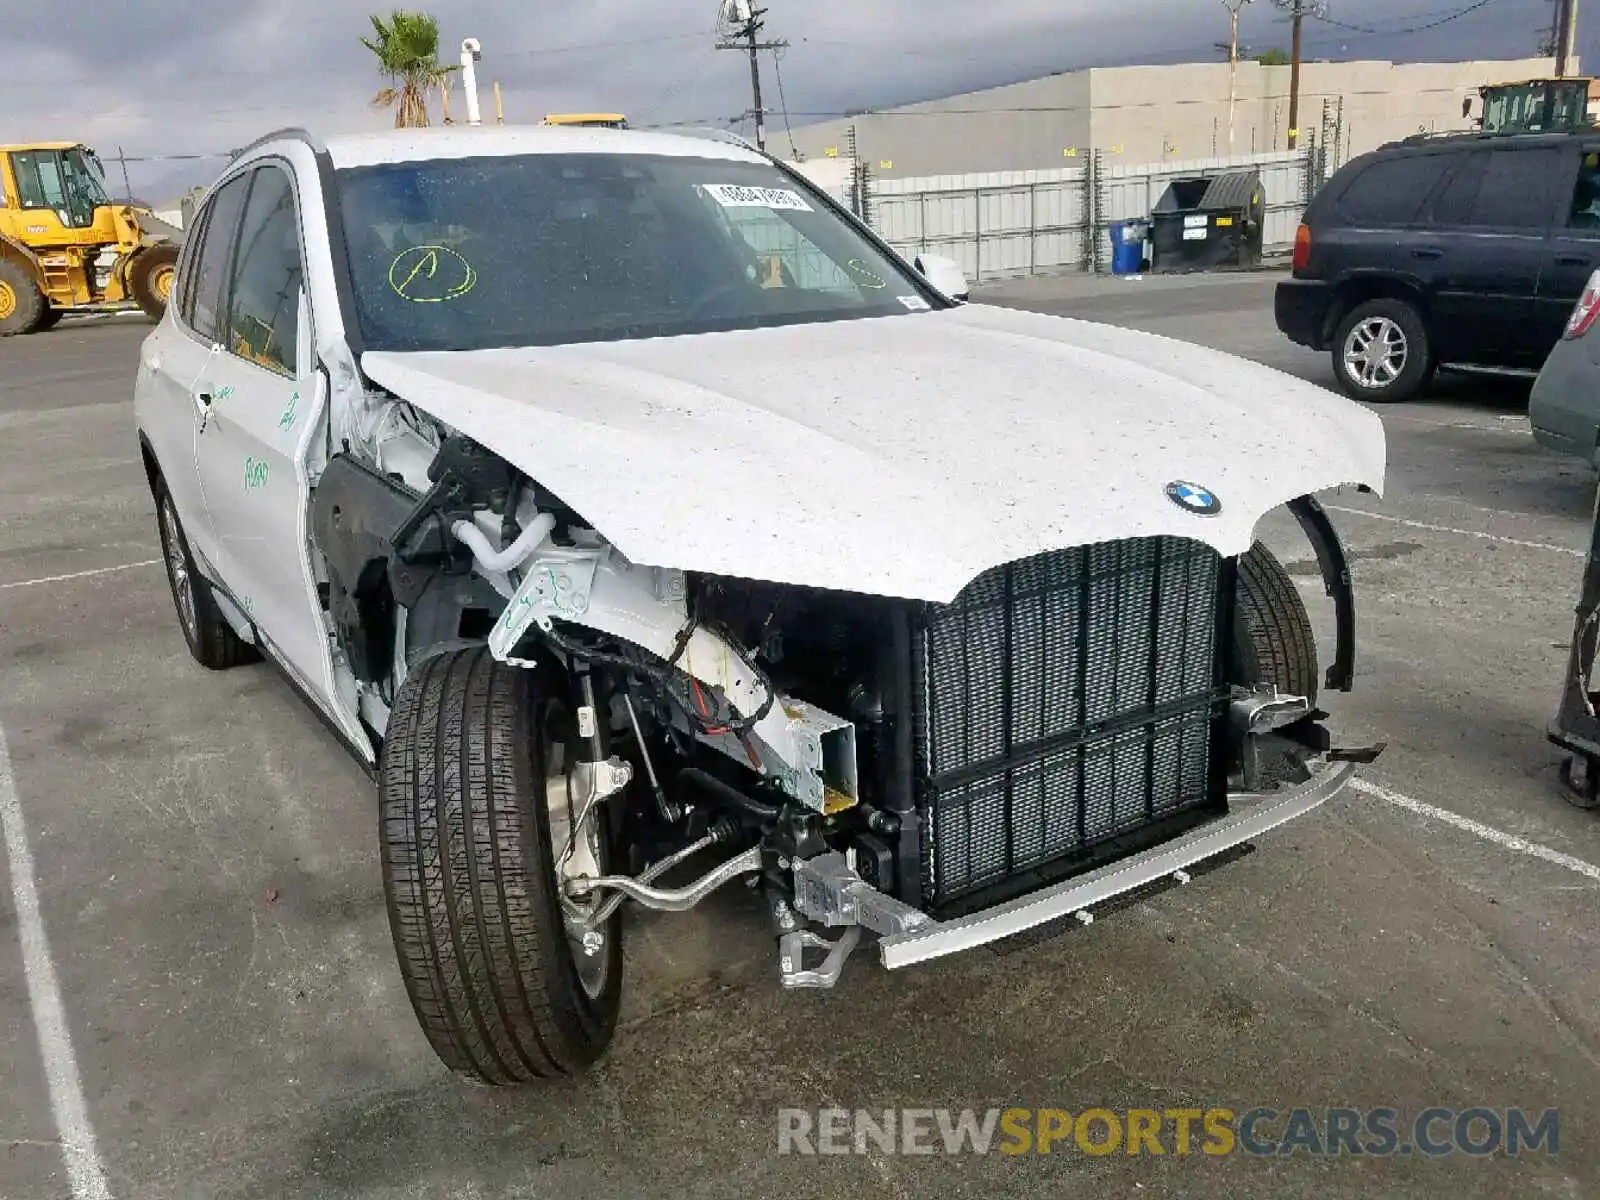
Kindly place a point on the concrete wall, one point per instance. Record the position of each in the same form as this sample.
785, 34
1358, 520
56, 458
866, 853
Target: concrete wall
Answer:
1021, 126
1152, 114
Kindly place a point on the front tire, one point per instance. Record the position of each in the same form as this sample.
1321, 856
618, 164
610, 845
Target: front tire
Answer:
1382, 352
476, 773
1274, 642
150, 278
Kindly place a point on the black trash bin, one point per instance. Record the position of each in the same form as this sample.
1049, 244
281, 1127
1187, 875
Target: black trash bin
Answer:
1208, 222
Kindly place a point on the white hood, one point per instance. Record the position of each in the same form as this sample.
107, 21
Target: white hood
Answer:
899, 456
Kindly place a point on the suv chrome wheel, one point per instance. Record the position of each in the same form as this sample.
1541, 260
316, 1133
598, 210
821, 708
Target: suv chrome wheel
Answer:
178, 571
1375, 352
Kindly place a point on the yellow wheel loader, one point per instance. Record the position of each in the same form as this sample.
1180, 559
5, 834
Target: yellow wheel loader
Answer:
66, 247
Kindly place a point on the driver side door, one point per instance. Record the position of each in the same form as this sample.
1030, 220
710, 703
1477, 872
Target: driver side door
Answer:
265, 404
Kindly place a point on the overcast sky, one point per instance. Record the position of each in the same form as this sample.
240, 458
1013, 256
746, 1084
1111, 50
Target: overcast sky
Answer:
167, 77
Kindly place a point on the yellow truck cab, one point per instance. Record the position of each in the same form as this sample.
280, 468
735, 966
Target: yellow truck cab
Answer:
595, 120
65, 245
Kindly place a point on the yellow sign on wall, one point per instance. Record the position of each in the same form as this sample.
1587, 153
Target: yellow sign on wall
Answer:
831, 152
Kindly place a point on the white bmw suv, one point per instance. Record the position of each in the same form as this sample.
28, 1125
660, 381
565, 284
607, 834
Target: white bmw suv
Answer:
643, 522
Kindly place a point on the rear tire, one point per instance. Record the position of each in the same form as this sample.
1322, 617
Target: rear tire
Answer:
1274, 642
469, 871
1382, 352
150, 278
210, 638
22, 304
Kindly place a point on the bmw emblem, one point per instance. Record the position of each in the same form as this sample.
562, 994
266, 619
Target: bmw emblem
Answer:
1191, 497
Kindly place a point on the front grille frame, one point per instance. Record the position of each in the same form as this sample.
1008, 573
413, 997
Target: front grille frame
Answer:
922, 790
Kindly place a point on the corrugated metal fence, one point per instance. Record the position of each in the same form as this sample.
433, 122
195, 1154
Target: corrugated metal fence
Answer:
1030, 222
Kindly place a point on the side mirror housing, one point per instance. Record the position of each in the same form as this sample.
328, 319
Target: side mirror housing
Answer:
945, 274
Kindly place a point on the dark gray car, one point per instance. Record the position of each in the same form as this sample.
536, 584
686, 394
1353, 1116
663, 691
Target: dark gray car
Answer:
1565, 406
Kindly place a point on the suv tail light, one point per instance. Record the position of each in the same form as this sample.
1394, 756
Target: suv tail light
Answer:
1585, 312
1302, 248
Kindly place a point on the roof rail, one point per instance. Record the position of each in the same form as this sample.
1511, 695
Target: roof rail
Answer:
713, 134
288, 133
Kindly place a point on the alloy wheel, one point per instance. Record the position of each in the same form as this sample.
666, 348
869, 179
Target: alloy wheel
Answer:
178, 570
1375, 352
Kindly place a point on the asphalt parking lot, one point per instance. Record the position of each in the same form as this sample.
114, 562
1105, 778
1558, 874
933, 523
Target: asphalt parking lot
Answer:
232, 1024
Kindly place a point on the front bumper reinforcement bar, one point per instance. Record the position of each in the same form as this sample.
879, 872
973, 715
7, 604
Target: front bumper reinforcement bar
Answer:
1249, 816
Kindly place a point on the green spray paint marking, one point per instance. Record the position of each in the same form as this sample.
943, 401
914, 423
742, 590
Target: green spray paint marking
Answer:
255, 474
222, 393
290, 411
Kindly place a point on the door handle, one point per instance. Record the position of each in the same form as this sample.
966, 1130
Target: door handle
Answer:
1429, 252
202, 404
1572, 260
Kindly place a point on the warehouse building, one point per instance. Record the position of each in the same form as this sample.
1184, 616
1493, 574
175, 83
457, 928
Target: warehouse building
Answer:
1156, 114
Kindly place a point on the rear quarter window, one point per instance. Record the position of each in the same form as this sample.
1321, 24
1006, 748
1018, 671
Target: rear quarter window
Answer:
1392, 190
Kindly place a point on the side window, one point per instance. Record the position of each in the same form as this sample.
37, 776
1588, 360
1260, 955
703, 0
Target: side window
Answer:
264, 303
1459, 195
1392, 190
1516, 191
188, 263
211, 268
1584, 211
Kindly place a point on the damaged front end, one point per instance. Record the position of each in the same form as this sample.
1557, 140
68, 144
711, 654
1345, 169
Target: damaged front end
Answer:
1071, 730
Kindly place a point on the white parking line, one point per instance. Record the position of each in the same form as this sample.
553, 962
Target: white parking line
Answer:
1488, 833
22, 583
84, 1171
1472, 533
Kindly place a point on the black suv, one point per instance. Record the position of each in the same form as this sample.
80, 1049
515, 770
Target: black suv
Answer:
1465, 250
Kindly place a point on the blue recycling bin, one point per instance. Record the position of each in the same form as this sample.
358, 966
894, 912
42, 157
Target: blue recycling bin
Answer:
1127, 246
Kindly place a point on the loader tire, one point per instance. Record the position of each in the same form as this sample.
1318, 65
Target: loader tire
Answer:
22, 304
1274, 642
150, 278
476, 763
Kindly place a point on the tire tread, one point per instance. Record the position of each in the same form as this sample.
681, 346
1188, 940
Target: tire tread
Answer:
468, 878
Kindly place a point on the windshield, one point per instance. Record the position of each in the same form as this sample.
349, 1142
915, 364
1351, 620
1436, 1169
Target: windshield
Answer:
544, 249
63, 181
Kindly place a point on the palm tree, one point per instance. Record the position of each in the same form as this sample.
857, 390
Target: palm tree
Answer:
407, 48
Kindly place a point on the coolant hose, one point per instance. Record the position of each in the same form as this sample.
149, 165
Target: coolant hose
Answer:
514, 555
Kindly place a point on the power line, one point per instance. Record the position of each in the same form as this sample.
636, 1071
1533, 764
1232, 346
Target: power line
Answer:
1454, 15
777, 71
11, 77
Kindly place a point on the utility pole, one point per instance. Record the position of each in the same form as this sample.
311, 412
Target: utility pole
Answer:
1233, 7
742, 27
1566, 36
471, 54
1298, 11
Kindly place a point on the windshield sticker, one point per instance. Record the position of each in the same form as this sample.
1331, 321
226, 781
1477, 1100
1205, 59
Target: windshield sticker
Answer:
733, 195
914, 303
431, 275
867, 277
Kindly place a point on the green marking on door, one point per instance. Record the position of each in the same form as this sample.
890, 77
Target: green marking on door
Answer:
255, 474
290, 411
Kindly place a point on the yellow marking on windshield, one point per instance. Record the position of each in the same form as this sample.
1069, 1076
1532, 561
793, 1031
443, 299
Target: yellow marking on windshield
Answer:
431, 275
868, 277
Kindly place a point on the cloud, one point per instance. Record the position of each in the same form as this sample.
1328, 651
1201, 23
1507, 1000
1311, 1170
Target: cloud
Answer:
167, 77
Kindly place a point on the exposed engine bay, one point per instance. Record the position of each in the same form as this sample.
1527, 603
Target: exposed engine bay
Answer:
879, 765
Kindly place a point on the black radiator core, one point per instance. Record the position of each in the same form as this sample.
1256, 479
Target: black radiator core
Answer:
1062, 701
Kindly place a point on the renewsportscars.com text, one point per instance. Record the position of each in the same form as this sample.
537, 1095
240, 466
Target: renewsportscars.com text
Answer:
1261, 1132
